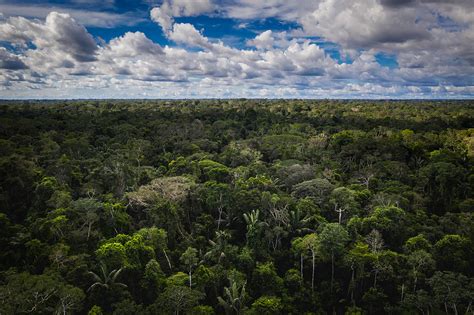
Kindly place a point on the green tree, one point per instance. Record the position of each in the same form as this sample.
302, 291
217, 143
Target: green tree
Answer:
106, 279
254, 226
453, 252
234, 297
452, 290
190, 259
312, 243
265, 280
420, 262
333, 239
267, 305
177, 299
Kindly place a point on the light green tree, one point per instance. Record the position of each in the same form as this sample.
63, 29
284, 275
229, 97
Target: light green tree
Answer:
190, 259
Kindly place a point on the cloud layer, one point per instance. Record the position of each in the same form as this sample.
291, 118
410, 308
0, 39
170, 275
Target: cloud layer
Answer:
365, 49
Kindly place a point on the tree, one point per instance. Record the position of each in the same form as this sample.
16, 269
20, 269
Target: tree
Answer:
375, 241
343, 200
218, 247
300, 249
443, 182
234, 298
70, 300
421, 300
311, 242
85, 212
452, 253
106, 279
254, 226
389, 221
358, 258
384, 265
157, 239
39, 294
175, 189
177, 299
266, 305
451, 289
265, 280
113, 253
415, 243
153, 281
333, 238
319, 189
189, 258
95, 310
420, 263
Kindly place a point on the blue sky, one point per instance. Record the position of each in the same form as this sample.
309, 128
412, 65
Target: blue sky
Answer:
236, 48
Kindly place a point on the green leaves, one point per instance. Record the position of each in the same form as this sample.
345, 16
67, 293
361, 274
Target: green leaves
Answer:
105, 279
203, 208
39, 294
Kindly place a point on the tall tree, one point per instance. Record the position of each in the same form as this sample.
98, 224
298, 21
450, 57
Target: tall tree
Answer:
333, 239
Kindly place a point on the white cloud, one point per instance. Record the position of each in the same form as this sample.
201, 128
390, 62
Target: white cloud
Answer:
364, 23
85, 17
264, 40
254, 9
64, 58
164, 14
185, 33
133, 44
60, 33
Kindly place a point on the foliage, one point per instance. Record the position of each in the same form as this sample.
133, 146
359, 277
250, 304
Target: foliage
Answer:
236, 207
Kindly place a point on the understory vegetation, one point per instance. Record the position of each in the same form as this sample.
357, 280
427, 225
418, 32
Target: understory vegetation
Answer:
236, 207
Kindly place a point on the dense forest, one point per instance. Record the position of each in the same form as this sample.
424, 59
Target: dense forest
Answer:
237, 207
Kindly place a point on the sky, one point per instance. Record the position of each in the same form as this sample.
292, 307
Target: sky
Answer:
369, 49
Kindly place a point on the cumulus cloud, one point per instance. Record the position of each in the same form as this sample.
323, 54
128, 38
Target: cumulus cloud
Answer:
85, 17
284, 9
331, 50
185, 33
133, 44
10, 61
65, 34
364, 23
164, 14
264, 40
60, 33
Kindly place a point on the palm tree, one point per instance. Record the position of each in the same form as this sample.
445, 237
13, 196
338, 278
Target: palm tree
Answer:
253, 225
234, 298
107, 279
218, 246
298, 223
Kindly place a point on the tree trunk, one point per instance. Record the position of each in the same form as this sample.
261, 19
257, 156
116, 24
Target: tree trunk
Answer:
219, 220
414, 283
468, 307
353, 284
403, 292
89, 230
455, 309
190, 278
332, 269
167, 259
301, 268
312, 273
